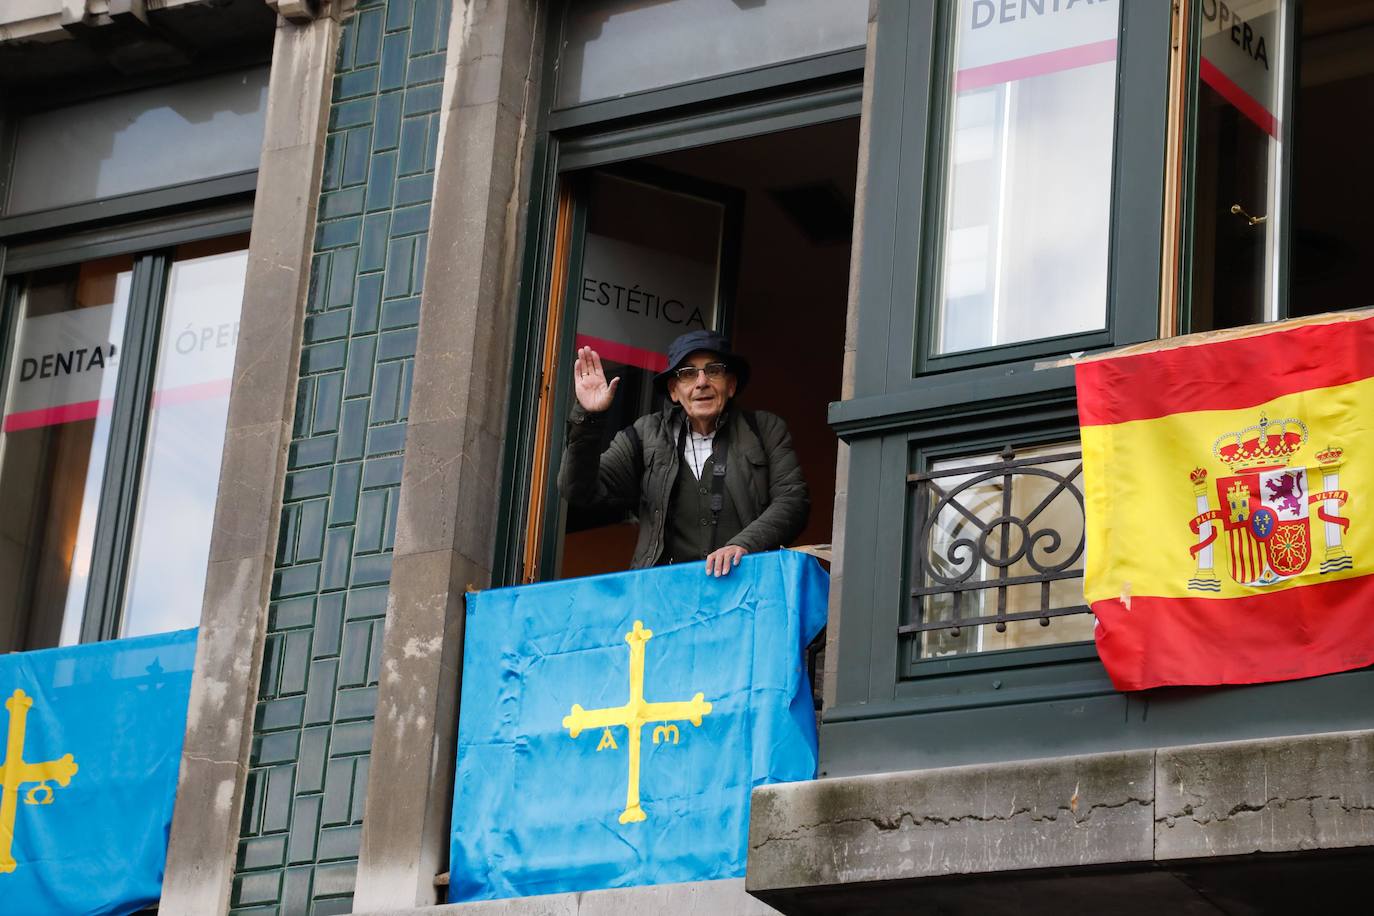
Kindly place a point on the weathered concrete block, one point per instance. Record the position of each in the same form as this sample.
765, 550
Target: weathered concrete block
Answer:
1089, 810
1274, 795
698, 898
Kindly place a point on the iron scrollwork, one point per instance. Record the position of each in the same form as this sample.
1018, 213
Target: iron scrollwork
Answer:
973, 541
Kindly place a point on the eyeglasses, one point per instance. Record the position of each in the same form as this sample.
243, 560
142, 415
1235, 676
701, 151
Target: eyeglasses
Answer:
688, 374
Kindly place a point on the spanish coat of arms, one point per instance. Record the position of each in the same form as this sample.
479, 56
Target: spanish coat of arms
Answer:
1266, 506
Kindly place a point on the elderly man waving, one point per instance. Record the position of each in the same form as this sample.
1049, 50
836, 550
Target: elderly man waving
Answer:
707, 480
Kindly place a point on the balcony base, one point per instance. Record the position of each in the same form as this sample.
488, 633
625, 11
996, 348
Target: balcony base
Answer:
696, 898
1276, 825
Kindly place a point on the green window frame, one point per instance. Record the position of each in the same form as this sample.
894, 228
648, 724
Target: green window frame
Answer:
910, 133
890, 712
911, 407
151, 243
608, 134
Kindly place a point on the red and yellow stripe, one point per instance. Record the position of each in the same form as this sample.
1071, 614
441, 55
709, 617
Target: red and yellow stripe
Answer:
1148, 421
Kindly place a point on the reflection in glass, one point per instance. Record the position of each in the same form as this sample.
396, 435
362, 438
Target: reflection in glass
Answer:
1028, 193
614, 47
63, 369
1238, 161
176, 505
138, 141
969, 553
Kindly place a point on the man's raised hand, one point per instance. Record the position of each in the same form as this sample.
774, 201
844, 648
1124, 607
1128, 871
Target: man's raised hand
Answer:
589, 380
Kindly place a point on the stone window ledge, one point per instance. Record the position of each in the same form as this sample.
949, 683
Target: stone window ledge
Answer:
1239, 827
699, 898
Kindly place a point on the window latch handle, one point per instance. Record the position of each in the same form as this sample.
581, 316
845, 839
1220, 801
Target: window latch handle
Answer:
1238, 210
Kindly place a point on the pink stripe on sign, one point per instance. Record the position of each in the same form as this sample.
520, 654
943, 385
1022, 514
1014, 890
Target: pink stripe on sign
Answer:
1243, 101
52, 416
203, 391
1009, 71
624, 353
86, 410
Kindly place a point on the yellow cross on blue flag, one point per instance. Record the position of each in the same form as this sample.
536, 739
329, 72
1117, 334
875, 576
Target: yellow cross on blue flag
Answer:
92, 740
611, 728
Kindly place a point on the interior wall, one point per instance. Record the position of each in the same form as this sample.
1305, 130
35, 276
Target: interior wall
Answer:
1333, 236
789, 301
790, 324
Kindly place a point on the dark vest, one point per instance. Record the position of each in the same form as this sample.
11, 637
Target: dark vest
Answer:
691, 532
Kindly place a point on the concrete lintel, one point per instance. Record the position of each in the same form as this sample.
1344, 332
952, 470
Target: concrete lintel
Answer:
698, 898
298, 11
445, 533
224, 687
41, 20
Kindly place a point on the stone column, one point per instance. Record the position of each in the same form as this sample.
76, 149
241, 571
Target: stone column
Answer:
445, 532
1205, 579
224, 687
830, 671
1336, 557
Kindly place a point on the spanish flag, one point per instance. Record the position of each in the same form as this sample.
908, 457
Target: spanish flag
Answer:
1226, 486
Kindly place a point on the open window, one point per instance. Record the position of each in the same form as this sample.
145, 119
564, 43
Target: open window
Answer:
646, 261
750, 237
1276, 222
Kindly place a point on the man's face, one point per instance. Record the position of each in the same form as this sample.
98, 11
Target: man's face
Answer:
704, 397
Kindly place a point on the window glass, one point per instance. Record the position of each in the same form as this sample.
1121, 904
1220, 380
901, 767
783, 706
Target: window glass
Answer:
1238, 145
998, 554
185, 438
615, 47
1027, 198
64, 363
139, 141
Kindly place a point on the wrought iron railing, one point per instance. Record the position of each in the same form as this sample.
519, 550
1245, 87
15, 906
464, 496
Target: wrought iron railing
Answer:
991, 542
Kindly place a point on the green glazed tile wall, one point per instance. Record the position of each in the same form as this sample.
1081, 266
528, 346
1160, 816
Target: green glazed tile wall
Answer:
303, 808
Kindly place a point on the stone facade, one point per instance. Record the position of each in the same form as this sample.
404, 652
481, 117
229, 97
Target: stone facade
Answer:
221, 715
51, 20
322, 657
450, 485
358, 502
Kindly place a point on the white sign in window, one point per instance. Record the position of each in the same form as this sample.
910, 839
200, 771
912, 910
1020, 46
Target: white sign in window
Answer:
1240, 57
635, 300
64, 367
65, 364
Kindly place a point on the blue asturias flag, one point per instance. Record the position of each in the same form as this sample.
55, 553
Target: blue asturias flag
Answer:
611, 728
92, 742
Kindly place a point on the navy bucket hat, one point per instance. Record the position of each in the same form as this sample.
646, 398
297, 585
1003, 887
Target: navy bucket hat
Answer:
696, 341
